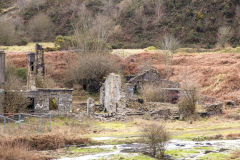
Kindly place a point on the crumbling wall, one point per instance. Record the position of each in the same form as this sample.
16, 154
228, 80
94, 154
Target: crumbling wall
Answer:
151, 77
1, 100
112, 95
42, 97
2, 68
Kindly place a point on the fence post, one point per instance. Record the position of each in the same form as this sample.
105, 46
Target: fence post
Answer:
50, 122
5, 121
19, 121
40, 128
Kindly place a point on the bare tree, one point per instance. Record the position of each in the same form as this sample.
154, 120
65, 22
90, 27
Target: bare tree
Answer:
158, 9
91, 34
90, 69
156, 137
188, 98
41, 28
170, 44
224, 35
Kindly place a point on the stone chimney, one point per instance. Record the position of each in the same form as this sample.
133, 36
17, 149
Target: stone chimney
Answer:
31, 77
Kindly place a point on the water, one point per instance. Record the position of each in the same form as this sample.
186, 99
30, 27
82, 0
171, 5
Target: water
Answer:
135, 148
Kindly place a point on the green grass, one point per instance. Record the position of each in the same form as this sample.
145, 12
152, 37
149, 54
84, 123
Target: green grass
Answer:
203, 148
30, 47
214, 156
89, 150
180, 153
128, 157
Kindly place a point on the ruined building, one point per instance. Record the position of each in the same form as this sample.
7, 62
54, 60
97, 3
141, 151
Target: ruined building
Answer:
114, 94
42, 99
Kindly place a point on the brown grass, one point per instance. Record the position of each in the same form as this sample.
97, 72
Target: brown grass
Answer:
235, 155
217, 74
46, 142
19, 152
233, 136
154, 93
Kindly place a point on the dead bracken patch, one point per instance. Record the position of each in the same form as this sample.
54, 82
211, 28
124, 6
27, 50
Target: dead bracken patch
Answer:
46, 142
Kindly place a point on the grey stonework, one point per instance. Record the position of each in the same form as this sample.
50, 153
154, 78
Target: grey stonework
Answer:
151, 76
90, 107
2, 69
112, 94
63, 98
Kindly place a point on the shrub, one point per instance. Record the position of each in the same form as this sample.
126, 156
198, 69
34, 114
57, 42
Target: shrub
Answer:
8, 34
90, 69
22, 73
41, 28
188, 100
154, 93
150, 48
156, 137
65, 42
224, 35
170, 44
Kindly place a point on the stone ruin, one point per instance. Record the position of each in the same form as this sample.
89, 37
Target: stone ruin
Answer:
42, 99
112, 94
116, 97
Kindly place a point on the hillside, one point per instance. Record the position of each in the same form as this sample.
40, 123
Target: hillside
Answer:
217, 74
135, 23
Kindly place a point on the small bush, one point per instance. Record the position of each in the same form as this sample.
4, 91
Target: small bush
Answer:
41, 28
188, 100
8, 34
65, 42
90, 69
156, 137
150, 48
22, 73
224, 35
154, 93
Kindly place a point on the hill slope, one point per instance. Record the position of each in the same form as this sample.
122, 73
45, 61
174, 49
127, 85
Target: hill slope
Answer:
141, 23
217, 74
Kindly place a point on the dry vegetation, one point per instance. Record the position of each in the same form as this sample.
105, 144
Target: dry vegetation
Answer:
216, 74
19, 152
154, 93
156, 136
91, 69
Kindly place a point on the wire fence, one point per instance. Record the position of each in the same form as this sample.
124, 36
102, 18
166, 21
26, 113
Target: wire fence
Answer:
24, 123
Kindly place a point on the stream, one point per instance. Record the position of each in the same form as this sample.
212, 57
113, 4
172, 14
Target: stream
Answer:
217, 146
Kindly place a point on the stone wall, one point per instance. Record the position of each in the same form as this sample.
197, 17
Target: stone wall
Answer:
151, 77
112, 94
2, 69
1, 100
42, 97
